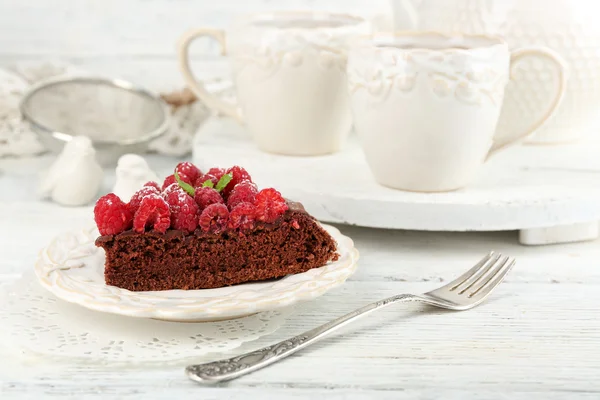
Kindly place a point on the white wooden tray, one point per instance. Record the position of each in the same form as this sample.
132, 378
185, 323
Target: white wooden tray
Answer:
551, 194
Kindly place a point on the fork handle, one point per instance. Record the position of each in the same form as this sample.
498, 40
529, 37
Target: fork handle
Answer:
228, 369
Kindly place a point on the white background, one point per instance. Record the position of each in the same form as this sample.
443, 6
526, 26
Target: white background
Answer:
136, 39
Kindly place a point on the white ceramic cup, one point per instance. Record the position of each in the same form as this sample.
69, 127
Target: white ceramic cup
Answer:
290, 77
426, 105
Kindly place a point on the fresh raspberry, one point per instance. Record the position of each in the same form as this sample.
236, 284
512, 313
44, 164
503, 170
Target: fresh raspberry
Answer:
216, 172
152, 213
187, 172
242, 216
171, 188
112, 216
169, 180
238, 174
269, 205
152, 184
136, 199
214, 218
243, 192
183, 209
206, 196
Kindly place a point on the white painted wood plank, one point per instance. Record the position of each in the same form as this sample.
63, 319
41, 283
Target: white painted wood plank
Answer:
142, 27
289, 392
527, 339
160, 74
136, 40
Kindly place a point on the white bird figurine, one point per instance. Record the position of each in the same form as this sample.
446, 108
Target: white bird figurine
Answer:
132, 173
75, 177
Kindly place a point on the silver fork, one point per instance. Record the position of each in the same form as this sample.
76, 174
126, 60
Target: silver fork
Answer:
463, 293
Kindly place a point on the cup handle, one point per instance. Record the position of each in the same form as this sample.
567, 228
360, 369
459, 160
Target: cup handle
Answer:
210, 100
553, 57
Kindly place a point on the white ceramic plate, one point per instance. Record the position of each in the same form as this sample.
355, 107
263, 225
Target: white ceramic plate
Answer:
72, 268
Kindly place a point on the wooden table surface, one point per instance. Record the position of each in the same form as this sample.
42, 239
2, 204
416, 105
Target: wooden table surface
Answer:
537, 337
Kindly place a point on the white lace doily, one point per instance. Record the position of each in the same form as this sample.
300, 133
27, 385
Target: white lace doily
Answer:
35, 321
16, 139
185, 120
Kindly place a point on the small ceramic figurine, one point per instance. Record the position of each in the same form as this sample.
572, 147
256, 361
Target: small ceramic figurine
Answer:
132, 172
75, 177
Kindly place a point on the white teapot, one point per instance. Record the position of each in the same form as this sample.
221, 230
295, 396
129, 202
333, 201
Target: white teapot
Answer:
569, 27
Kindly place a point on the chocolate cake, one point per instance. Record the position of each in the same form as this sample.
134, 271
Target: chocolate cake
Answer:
182, 236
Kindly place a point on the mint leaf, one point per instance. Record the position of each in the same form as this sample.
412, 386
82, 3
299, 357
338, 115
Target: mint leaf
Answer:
208, 183
224, 181
184, 185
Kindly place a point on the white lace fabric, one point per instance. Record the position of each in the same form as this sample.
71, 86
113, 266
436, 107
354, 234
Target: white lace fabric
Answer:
16, 139
36, 322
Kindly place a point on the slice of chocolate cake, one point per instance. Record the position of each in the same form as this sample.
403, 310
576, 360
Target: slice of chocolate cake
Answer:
207, 230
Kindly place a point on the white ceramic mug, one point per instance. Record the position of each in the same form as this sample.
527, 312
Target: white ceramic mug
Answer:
290, 77
426, 105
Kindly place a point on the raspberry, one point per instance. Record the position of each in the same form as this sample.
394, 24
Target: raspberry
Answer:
112, 216
214, 218
238, 174
242, 216
216, 172
169, 180
171, 188
269, 205
152, 184
206, 196
153, 212
244, 192
187, 172
183, 209
136, 199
